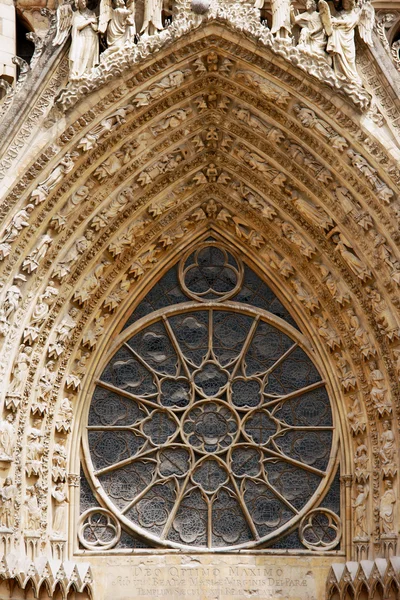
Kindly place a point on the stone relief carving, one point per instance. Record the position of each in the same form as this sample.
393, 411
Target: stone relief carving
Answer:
361, 462
61, 333
309, 119
34, 449
39, 314
19, 376
32, 513
79, 247
355, 417
386, 509
379, 392
45, 387
65, 165
7, 438
65, 416
90, 283
356, 265
32, 261
312, 38
387, 450
14, 228
8, 491
59, 461
60, 510
360, 512
100, 131
59, 221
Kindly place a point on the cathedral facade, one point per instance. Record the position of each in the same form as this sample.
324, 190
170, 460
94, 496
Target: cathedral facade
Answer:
199, 300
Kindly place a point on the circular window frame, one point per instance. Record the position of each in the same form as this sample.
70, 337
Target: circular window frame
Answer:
195, 306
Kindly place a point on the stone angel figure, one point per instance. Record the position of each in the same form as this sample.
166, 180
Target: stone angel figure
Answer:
340, 30
117, 21
281, 18
84, 50
152, 22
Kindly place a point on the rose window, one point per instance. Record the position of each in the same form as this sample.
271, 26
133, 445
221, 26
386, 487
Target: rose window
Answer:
210, 425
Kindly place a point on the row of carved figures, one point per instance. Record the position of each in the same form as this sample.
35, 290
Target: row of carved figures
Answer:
322, 35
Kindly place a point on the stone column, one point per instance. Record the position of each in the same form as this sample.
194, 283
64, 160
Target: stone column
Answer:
7, 40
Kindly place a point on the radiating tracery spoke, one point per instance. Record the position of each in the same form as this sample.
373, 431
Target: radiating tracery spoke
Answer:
211, 422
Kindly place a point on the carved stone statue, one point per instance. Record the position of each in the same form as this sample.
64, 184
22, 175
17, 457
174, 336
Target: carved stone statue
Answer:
7, 438
386, 509
84, 50
33, 259
34, 449
80, 246
59, 221
45, 387
7, 497
379, 390
62, 333
19, 375
340, 30
14, 228
60, 502
297, 239
361, 462
310, 120
327, 333
344, 247
383, 314
361, 336
90, 283
355, 417
64, 416
31, 516
92, 138
13, 297
40, 313
387, 448
118, 21
360, 512
59, 469
152, 17
309, 301
281, 25
312, 37
347, 378
56, 176
314, 214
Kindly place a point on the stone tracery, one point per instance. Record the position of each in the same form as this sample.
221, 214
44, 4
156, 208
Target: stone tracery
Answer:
233, 198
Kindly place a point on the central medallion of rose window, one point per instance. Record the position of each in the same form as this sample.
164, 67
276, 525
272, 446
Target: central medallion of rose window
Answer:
209, 428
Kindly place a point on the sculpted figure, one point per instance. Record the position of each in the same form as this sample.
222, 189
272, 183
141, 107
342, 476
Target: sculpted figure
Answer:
360, 512
361, 462
152, 17
63, 268
347, 378
119, 22
13, 296
355, 416
59, 221
65, 416
309, 301
40, 313
172, 120
309, 119
92, 138
84, 50
59, 470
361, 337
31, 509
165, 85
92, 334
62, 333
45, 387
7, 438
383, 314
32, 261
56, 176
90, 283
340, 30
327, 333
7, 496
281, 24
379, 390
297, 239
257, 163
311, 212
116, 205
34, 449
312, 35
387, 449
386, 509
60, 502
19, 375
14, 228
344, 247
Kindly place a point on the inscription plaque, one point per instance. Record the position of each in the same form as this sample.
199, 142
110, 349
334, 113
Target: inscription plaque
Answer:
169, 577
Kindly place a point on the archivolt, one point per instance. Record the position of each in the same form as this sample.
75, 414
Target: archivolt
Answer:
211, 144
